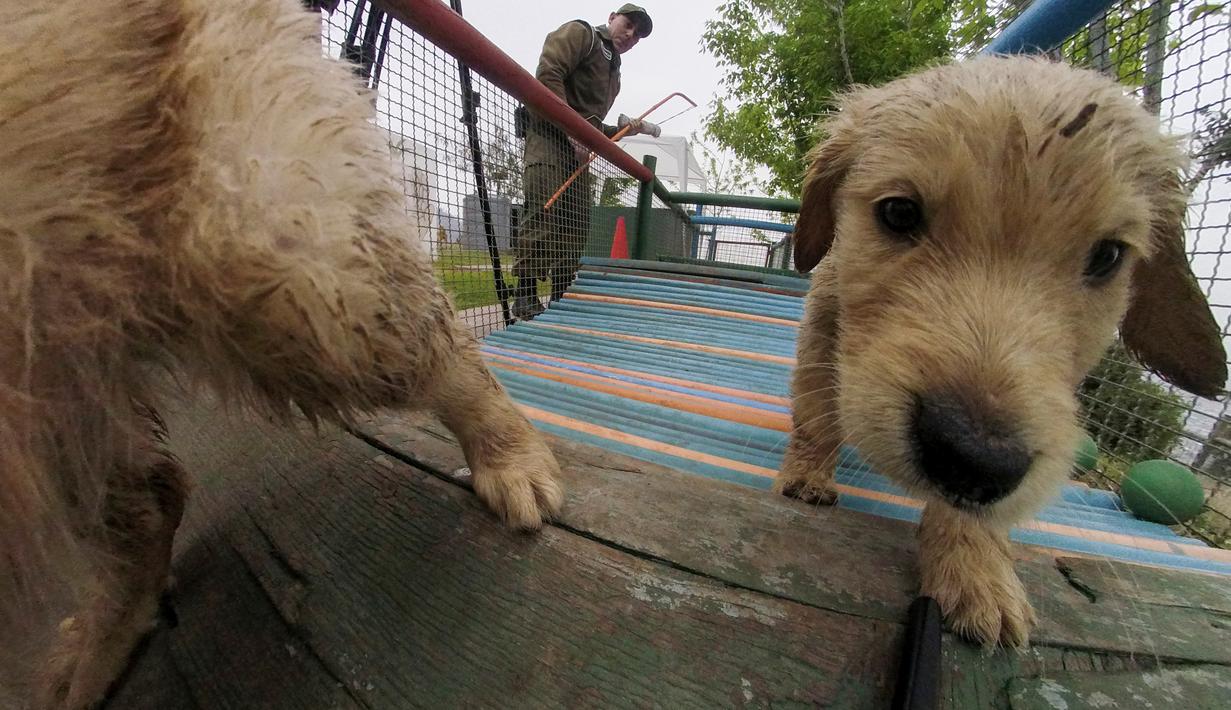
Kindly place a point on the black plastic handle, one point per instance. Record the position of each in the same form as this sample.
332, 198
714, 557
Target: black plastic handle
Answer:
918, 685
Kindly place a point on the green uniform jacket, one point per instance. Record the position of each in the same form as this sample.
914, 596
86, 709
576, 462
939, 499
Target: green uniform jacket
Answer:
579, 65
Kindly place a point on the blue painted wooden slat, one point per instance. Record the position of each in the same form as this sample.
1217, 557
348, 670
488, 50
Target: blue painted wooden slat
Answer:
534, 344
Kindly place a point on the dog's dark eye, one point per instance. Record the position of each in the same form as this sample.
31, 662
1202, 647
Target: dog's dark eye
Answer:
1104, 260
900, 215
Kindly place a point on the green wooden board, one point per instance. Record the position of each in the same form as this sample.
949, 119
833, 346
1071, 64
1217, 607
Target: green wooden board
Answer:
324, 570
838, 559
318, 572
1200, 688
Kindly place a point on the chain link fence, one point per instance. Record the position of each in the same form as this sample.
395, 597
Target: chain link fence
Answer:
742, 237
1175, 56
460, 143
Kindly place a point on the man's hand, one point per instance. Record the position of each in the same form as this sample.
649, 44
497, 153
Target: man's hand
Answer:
631, 126
638, 127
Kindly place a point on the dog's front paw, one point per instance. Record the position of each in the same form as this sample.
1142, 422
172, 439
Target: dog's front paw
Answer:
815, 492
55, 684
523, 488
86, 660
986, 605
806, 477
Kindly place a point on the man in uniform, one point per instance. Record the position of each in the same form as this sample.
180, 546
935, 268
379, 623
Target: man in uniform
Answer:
580, 64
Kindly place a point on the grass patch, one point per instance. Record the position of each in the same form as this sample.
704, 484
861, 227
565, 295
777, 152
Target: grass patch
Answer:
472, 287
1214, 528
1106, 474
454, 256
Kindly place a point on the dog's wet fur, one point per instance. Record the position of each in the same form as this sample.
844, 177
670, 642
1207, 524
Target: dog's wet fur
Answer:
190, 185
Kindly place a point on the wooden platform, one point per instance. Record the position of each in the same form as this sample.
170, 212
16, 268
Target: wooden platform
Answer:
340, 570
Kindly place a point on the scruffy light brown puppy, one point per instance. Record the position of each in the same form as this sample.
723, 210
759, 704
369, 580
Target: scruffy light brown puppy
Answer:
981, 229
189, 184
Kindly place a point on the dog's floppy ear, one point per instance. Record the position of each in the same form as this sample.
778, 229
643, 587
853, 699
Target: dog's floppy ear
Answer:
1169, 327
814, 229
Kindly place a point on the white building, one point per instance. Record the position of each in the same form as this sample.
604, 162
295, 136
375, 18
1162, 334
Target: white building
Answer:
677, 167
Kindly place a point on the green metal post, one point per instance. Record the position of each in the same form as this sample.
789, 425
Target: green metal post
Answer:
645, 198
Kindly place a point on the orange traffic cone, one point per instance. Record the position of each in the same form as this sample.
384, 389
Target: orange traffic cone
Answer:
619, 245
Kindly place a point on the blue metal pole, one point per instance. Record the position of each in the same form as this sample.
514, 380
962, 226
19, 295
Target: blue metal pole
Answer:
696, 233
741, 222
1044, 25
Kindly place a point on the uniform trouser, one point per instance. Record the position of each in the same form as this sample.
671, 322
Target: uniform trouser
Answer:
550, 242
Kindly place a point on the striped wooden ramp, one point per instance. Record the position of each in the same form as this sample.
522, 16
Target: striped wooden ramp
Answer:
689, 367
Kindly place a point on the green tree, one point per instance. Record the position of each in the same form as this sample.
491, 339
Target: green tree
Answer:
502, 161
786, 62
613, 188
1120, 44
1130, 416
728, 175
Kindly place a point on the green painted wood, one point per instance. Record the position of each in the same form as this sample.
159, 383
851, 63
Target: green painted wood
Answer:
1197, 688
233, 646
830, 558
789, 282
316, 571
1149, 585
975, 679
643, 245
745, 537
664, 194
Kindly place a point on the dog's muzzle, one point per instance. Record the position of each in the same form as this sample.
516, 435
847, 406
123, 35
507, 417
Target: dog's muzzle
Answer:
973, 459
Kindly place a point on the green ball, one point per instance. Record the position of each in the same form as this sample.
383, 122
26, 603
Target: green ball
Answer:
1162, 492
1087, 454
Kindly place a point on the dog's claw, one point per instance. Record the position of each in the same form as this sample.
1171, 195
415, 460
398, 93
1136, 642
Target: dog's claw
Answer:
810, 493
523, 490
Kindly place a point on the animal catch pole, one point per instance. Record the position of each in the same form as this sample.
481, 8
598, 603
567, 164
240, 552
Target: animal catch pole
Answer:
622, 132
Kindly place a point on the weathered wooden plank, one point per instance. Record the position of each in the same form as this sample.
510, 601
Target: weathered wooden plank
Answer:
1123, 624
833, 558
975, 679
1195, 688
228, 630
731, 532
317, 572
1149, 585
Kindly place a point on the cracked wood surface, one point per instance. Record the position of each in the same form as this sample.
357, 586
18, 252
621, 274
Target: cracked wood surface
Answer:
324, 570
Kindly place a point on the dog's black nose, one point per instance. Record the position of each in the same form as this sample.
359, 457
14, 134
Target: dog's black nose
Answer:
970, 457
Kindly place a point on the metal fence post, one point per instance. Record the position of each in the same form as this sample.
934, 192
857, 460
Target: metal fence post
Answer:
470, 105
696, 233
645, 199
1152, 88
364, 54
